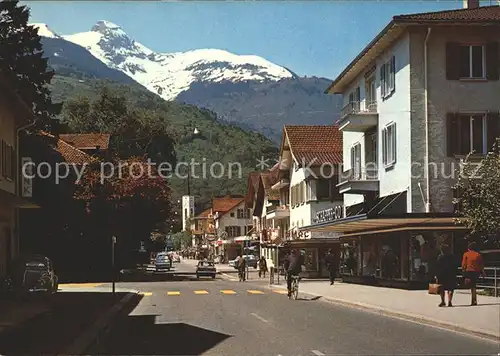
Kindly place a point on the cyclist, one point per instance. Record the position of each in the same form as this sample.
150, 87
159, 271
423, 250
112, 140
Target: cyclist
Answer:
296, 261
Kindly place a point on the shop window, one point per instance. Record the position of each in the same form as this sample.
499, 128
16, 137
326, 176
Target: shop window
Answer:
311, 259
349, 259
424, 251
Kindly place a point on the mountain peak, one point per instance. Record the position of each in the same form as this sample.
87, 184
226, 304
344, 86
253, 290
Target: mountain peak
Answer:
104, 26
44, 30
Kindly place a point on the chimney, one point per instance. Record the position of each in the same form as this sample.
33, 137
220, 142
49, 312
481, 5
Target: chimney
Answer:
471, 4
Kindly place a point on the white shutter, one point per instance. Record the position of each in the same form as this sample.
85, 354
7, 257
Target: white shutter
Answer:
384, 146
393, 73
382, 80
393, 141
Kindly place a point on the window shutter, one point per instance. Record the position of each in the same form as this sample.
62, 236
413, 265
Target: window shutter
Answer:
384, 146
12, 162
452, 61
352, 157
492, 128
452, 134
358, 94
382, 80
393, 73
393, 143
4, 159
492, 62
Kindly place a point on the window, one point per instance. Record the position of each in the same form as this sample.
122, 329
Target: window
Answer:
231, 214
389, 145
7, 161
354, 99
233, 231
472, 133
356, 161
388, 77
240, 214
323, 189
472, 62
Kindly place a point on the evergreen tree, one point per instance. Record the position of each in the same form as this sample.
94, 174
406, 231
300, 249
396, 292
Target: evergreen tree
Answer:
21, 54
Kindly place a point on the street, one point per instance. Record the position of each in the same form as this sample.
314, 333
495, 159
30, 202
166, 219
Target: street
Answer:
223, 317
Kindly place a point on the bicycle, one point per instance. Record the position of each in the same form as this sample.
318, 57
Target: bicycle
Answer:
295, 287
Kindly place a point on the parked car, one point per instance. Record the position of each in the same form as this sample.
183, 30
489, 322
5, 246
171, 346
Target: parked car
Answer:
252, 261
31, 274
163, 262
206, 269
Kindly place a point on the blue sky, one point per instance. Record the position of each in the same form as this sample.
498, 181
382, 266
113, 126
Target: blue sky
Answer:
309, 37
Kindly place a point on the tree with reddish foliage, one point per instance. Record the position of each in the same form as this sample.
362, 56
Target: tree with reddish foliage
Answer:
128, 202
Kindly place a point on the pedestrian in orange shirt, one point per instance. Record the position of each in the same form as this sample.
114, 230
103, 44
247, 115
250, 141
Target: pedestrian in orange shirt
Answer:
472, 267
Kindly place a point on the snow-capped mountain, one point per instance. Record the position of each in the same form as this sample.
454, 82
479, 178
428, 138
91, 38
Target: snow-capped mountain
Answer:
169, 74
44, 30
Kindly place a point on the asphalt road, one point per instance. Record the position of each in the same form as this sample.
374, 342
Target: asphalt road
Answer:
221, 317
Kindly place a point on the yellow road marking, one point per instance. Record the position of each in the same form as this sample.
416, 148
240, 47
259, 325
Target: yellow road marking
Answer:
146, 294
228, 292
255, 292
200, 292
280, 291
80, 285
173, 293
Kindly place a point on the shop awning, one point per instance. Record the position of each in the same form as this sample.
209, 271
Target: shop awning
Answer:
365, 223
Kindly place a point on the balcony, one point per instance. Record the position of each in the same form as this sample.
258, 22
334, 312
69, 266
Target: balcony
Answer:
359, 181
277, 212
358, 116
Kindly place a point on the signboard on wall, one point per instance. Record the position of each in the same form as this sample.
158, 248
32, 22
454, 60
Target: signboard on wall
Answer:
334, 213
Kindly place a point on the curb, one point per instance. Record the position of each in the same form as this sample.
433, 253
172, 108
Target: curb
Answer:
400, 315
92, 335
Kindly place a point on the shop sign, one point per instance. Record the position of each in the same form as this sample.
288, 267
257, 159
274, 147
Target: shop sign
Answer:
330, 214
295, 234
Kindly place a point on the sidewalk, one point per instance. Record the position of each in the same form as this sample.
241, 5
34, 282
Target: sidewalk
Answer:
482, 320
15, 313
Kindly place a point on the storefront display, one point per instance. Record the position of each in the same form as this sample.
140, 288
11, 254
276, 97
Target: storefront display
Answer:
348, 258
311, 259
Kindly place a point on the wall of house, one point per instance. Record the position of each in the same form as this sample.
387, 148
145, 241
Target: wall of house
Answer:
444, 96
227, 220
395, 108
8, 134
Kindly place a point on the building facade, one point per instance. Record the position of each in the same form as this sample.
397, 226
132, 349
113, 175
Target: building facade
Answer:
418, 99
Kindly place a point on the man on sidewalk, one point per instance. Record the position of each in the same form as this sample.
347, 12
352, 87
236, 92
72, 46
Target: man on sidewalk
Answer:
472, 267
331, 265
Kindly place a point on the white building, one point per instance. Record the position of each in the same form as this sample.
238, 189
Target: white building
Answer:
417, 99
310, 162
187, 211
233, 220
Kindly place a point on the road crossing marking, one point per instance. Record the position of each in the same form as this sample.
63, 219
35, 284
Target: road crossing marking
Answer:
200, 292
255, 292
173, 293
317, 353
228, 291
280, 291
259, 317
146, 294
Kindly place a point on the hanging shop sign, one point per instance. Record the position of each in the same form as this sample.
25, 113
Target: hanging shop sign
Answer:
334, 213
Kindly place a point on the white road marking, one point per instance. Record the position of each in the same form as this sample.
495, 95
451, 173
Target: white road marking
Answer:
317, 353
259, 317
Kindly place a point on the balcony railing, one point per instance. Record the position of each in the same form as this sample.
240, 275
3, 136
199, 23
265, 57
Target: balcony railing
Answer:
359, 174
277, 208
359, 107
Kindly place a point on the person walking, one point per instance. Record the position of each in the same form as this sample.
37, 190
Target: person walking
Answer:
330, 261
262, 267
446, 275
472, 268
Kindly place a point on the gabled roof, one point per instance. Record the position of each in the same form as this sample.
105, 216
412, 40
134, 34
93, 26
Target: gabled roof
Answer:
70, 153
204, 214
222, 205
481, 16
87, 141
314, 145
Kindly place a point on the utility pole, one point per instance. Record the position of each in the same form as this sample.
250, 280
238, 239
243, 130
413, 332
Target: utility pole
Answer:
113, 243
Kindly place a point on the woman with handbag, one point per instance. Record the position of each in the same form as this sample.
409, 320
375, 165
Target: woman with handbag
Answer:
446, 276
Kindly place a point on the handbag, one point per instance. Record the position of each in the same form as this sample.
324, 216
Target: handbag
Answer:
435, 288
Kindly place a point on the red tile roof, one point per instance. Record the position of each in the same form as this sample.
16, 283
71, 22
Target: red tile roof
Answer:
474, 15
87, 141
70, 154
204, 214
224, 204
315, 145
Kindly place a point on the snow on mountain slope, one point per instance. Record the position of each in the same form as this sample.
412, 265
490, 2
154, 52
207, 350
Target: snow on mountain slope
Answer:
44, 30
169, 74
